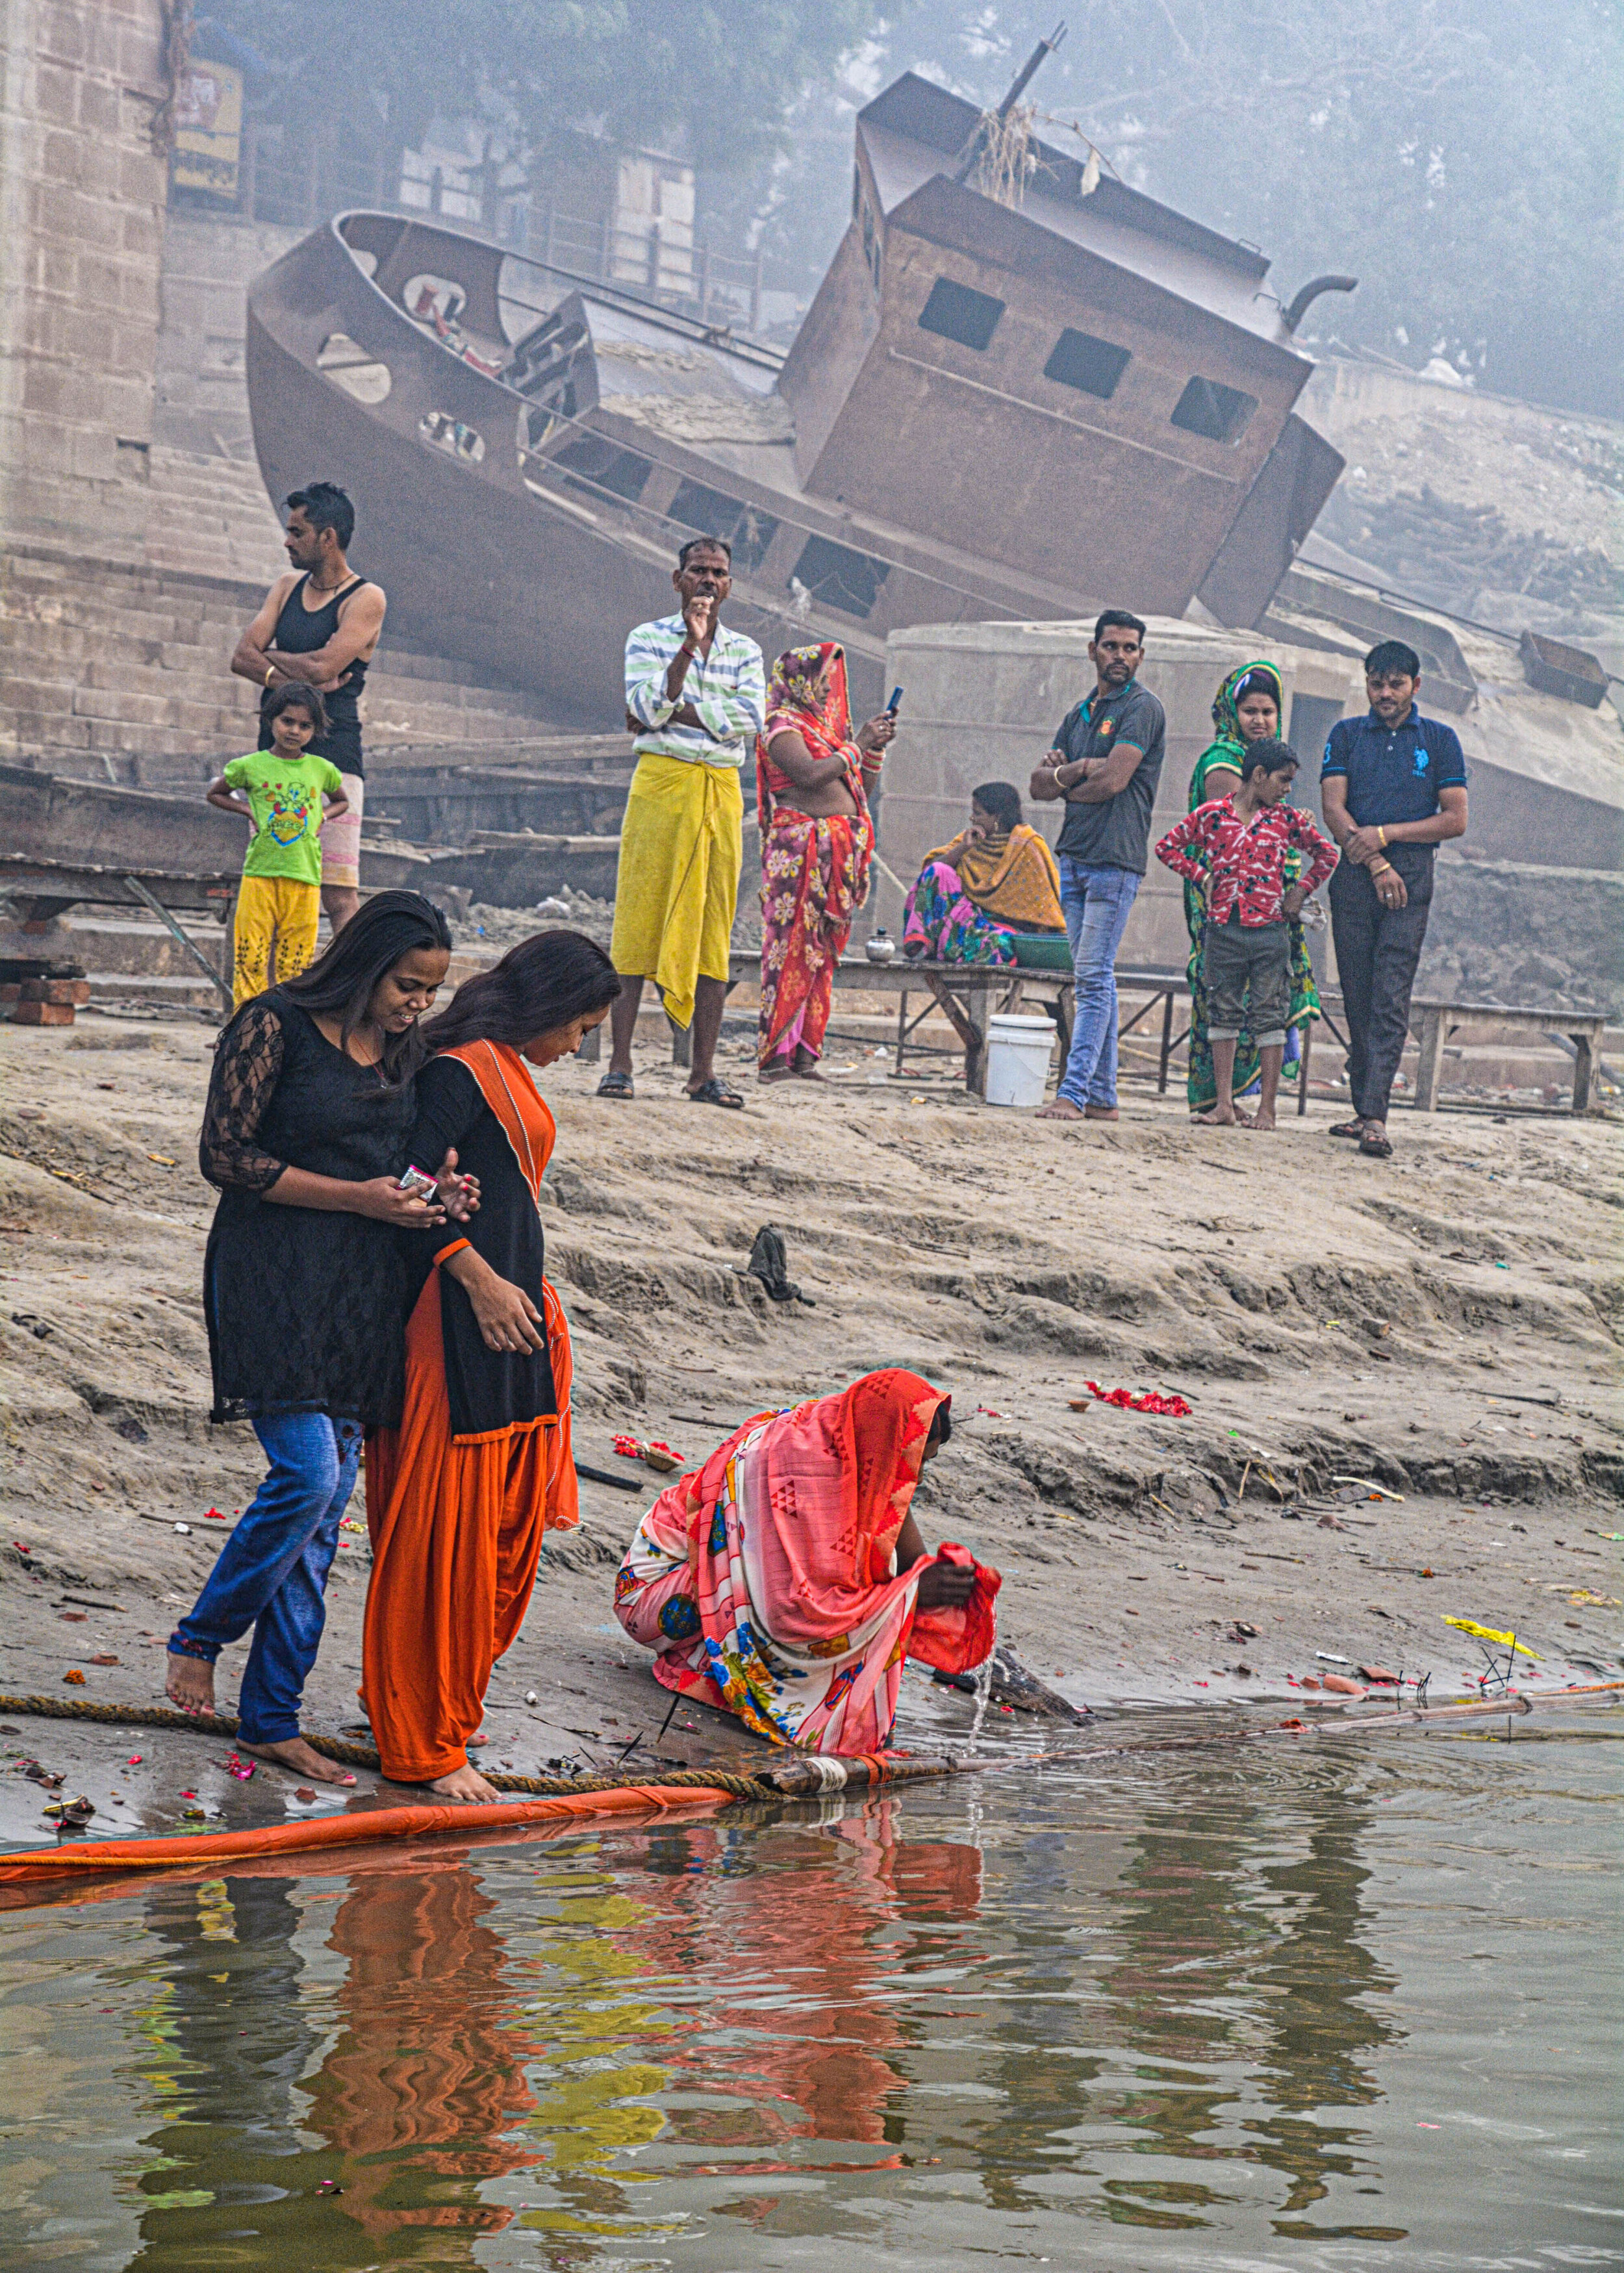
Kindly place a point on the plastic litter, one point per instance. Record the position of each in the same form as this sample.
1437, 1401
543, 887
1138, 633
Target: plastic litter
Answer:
1490, 1633
74, 1678
1376, 1491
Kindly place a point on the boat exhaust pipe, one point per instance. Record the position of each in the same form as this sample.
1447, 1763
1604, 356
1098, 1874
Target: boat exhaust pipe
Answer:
1311, 292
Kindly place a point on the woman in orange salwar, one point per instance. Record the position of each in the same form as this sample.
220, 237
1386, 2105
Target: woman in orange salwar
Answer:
787, 1580
812, 782
459, 1494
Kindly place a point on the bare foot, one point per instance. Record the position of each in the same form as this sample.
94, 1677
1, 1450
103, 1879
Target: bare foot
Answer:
777, 1071
303, 1759
464, 1784
1101, 1112
189, 1683
1058, 1108
1263, 1118
479, 1736
1220, 1116
806, 1068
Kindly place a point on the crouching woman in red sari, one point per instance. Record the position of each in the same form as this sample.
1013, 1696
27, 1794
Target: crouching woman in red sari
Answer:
787, 1580
459, 1494
811, 784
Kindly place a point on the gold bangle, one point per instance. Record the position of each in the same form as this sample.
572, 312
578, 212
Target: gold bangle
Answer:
1382, 837
270, 672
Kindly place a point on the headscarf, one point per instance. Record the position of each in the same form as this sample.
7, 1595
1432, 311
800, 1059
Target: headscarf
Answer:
1230, 747
793, 706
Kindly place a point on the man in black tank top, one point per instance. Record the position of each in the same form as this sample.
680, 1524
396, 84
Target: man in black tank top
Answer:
320, 625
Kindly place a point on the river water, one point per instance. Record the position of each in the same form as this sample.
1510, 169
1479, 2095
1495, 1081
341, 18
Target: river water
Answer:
1317, 2005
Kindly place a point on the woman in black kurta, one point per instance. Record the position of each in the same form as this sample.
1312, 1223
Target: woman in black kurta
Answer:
459, 1494
309, 1115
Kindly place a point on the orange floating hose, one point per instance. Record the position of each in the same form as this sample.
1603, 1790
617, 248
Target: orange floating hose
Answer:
87, 1858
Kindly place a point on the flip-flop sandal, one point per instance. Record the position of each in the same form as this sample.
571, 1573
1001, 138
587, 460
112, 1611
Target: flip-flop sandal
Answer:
1376, 1147
717, 1092
1354, 1129
615, 1085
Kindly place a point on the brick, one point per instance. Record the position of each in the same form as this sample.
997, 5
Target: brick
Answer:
55, 990
43, 1014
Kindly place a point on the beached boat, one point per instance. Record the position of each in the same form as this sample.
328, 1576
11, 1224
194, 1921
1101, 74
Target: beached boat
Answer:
1002, 405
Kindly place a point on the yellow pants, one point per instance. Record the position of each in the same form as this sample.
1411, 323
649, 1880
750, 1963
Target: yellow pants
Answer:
681, 846
274, 935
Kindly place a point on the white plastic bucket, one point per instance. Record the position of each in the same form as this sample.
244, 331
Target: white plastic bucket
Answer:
1018, 1054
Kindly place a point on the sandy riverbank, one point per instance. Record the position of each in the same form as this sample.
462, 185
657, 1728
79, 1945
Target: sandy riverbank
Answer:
1324, 1316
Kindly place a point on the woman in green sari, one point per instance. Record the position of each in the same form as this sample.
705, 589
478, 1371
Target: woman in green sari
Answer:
1248, 709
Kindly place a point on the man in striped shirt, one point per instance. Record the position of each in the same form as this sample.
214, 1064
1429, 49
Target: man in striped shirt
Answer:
696, 700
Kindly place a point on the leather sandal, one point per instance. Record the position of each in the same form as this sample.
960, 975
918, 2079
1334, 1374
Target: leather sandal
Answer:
1354, 1129
717, 1092
615, 1085
1376, 1147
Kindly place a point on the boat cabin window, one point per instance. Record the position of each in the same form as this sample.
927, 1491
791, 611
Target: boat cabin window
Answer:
348, 365
953, 311
442, 431
712, 513
1221, 413
591, 463
1092, 366
838, 577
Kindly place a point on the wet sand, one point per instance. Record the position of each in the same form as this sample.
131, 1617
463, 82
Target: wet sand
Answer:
1324, 1316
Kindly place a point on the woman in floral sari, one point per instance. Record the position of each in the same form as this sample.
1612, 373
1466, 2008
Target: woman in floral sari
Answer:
812, 782
787, 1580
1248, 707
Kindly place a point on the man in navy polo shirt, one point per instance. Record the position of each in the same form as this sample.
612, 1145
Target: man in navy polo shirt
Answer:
1393, 787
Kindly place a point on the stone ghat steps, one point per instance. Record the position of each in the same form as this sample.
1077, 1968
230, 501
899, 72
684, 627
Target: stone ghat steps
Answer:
119, 671
210, 515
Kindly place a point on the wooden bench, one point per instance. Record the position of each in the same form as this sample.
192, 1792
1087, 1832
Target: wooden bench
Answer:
970, 995
1433, 1024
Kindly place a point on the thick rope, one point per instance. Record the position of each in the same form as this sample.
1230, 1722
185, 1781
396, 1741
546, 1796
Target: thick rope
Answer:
363, 1756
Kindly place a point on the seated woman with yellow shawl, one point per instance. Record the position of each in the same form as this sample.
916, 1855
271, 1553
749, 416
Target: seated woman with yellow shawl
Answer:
997, 878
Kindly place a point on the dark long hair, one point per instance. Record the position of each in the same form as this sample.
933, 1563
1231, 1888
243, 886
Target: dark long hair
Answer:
545, 982
340, 983
1002, 800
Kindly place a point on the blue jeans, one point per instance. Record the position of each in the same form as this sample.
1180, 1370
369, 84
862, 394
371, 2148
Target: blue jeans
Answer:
1097, 903
274, 1568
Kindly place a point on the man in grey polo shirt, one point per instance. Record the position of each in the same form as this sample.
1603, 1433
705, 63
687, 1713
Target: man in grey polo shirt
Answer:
1105, 764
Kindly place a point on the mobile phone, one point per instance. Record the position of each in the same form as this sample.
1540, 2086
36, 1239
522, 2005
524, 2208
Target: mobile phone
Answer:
415, 1182
896, 697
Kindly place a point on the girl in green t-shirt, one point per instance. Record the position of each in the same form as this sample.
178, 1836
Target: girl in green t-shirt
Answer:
288, 793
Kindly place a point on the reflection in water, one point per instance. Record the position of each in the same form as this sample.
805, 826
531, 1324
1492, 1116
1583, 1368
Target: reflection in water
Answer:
229, 2041
1010, 2018
427, 2073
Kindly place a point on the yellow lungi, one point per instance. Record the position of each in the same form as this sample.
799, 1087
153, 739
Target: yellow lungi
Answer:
682, 843
274, 935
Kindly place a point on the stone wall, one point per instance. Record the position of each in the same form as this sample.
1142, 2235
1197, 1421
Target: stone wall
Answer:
81, 212
209, 261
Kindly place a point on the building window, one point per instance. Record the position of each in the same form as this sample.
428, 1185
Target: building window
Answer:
954, 312
712, 513
837, 577
1221, 413
1092, 366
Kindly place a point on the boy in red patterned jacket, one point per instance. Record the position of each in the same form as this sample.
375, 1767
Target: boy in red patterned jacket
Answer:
1234, 853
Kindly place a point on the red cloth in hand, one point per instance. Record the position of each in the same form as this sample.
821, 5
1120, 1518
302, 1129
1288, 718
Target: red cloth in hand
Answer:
959, 1640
